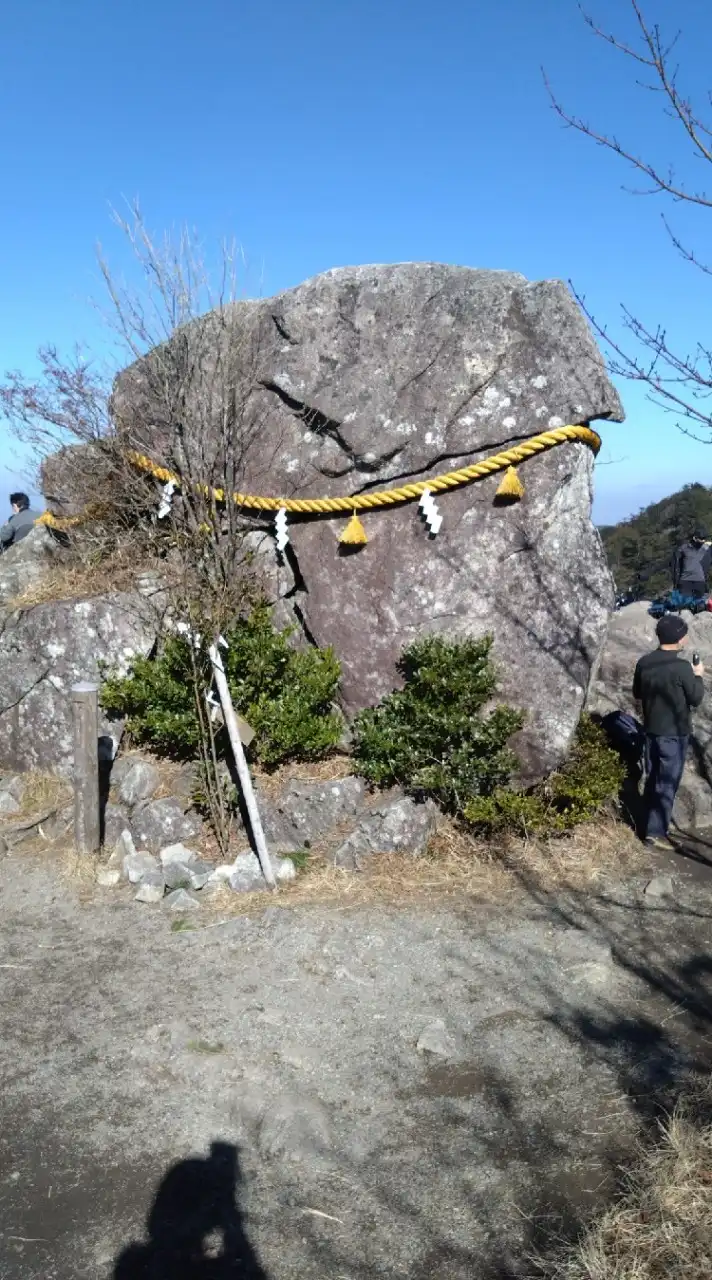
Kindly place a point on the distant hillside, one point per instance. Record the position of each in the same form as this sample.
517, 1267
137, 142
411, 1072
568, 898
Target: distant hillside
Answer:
640, 549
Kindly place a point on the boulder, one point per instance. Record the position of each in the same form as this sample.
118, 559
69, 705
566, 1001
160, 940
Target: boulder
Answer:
631, 633
163, 822
304, 812
139, 782
43, 652
395, 824
75, 473
367, 377
27, 562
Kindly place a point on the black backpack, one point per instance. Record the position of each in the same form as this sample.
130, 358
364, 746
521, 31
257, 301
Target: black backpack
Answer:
625, 733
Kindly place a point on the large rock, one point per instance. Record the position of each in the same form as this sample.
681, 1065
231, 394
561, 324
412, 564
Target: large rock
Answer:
160, 823
631, 633
305, 812
47, 649
27, 562
368, 376
395, 824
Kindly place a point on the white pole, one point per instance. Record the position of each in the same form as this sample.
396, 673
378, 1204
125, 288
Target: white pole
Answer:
243, 772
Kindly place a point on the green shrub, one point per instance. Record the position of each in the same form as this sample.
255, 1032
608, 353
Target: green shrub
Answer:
285, 694
590, 778
434, 737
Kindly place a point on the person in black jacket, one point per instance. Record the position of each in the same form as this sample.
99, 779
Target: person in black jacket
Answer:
668, 689
691, 564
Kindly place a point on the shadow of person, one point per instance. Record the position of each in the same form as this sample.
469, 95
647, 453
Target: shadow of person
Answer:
195, 1226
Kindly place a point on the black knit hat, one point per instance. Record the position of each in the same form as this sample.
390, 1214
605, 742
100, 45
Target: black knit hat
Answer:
671, 629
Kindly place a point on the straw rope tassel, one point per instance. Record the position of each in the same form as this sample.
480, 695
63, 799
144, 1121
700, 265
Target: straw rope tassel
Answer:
510, 486
354, 534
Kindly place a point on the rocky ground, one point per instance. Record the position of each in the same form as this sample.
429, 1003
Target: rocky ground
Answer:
426, 1090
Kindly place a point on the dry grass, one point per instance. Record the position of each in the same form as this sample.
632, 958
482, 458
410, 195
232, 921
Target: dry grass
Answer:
44, 793
271, 782
72, 581
455, 866
595, 851
661, 1226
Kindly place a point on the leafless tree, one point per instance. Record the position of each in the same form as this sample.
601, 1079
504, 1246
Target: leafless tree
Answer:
188, 399
679, 381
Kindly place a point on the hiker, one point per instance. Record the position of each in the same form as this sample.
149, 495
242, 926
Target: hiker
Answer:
668, 689
20, 522
690, 565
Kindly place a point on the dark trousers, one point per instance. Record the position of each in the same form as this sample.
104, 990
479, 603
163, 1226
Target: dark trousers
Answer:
665, 761
692, 588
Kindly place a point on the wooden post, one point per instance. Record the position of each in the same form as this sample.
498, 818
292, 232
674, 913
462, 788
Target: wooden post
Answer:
243, 772
85, 718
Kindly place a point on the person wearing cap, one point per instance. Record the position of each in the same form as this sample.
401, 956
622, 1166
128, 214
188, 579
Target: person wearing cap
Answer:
691, 564
669, 690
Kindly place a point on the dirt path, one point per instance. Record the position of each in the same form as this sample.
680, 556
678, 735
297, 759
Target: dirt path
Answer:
290, 1040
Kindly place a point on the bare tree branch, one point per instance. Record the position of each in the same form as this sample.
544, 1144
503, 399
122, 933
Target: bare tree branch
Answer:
678, 382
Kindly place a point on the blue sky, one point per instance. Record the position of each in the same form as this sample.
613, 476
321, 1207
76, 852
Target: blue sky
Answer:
328, 133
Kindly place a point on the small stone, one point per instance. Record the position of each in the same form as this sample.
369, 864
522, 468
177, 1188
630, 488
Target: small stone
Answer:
151, 888
108, 876
437, 1040
181, 875
138, 867
116, 821
285, 870
221, 874
8, 803
140, 782
4, 847
246, 874
181, 900
123, 848
659, 887
176, 853
160, 823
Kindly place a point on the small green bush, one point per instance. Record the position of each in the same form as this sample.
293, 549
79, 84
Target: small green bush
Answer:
590, 778
434, 737
285, 694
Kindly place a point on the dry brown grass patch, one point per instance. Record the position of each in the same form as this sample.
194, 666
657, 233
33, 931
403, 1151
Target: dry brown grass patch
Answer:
386, 879
661, 1226
43, 794
332, 769
72, 581
585, 856
456, 865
